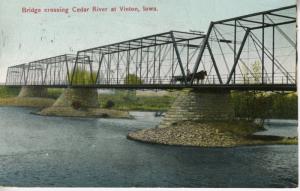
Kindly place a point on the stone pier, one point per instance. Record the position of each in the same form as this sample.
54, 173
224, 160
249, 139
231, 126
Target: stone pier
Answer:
200, 106
36, 91
78, 97
81, 102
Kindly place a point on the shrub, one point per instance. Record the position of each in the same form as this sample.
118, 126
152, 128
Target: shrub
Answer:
109, 104
81, 76
9, 91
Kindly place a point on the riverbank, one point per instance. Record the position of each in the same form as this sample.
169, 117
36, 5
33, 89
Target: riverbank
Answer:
85, 112
27, 102
46, 110
129, 101
208, 134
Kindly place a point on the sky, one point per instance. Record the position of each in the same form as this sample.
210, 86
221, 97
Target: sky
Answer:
26, 37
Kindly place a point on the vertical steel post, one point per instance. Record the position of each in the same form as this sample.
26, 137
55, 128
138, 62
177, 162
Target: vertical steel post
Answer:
54, 70
118, 63
147, 72
154, 60
234, 53
263, 49
136, 62
273, 53
172, 61
187, 56
141, 60
128, 62
159, 63
108, 66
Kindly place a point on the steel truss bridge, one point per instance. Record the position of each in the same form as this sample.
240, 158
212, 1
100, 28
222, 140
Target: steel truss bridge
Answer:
250, 52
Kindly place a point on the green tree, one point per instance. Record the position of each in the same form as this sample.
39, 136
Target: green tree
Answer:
256, 67
81, 77
132, 79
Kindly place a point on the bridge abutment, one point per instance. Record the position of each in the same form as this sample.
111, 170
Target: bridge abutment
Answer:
36, 91
200, 106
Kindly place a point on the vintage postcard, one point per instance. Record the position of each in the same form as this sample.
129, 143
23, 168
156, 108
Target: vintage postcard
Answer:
148, 93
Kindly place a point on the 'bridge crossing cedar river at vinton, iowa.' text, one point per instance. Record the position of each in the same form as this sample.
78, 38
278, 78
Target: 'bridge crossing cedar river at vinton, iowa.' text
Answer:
93, 9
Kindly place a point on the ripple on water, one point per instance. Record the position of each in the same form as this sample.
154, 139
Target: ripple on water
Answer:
58, 151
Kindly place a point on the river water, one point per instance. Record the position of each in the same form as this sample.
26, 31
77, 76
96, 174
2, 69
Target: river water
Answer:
60, 151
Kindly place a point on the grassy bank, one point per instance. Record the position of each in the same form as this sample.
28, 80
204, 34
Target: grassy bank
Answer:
27, 102
129, 101
250, 104
6, 92
9, 97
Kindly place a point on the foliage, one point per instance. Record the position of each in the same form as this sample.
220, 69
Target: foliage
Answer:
143, 103
54, 92
256, 67
253, 104
109, 104
81, 77
8, 92
132, 79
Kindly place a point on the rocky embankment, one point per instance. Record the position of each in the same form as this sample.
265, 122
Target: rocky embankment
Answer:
208, 134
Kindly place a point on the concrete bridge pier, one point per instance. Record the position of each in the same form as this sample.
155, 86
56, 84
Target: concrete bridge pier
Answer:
33, 91
200, 106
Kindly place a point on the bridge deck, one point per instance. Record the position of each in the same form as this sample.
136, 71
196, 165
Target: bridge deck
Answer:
241, 87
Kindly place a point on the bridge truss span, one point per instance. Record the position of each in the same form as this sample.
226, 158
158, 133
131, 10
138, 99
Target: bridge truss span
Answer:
259, 48
153, 59
254, 51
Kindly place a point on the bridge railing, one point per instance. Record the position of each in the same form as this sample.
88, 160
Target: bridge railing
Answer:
208, 80
254, 78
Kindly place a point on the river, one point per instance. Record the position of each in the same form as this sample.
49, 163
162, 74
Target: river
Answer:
60, 151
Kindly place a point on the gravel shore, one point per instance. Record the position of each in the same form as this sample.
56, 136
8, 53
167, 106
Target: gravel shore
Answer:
208, 134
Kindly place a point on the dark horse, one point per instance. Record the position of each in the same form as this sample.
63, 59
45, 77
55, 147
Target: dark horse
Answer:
198, 76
